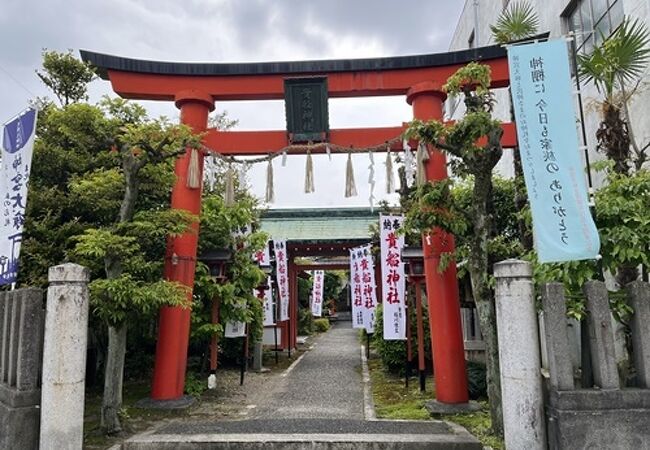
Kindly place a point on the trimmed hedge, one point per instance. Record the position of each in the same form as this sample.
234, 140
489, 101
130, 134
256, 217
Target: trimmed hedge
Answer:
321, 325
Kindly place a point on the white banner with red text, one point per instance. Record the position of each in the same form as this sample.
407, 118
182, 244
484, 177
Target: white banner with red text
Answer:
393, 279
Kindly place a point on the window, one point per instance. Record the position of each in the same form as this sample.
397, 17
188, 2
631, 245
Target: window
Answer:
593, 20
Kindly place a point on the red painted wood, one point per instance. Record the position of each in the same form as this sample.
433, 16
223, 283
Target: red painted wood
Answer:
271, 87
442, 288
265, 142
180, 262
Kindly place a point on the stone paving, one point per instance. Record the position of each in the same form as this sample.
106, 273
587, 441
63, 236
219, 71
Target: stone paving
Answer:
317, 403
325, 383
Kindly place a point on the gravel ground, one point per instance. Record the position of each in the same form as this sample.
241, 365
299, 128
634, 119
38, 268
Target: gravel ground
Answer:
325, 384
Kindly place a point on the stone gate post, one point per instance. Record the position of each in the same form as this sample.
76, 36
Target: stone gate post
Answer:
64, 358
521, 381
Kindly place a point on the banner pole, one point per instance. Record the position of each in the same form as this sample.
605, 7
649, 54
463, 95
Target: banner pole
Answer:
407, 366
244, 361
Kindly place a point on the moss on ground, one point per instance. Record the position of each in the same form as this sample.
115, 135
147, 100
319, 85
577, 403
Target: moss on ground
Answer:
394, 401
137, 420
134, 420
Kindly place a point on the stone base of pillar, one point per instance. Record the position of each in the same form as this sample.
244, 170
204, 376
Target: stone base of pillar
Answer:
436, 407
20, 426
177, 403
258, 355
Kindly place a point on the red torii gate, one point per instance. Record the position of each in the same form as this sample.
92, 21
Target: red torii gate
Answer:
194, 88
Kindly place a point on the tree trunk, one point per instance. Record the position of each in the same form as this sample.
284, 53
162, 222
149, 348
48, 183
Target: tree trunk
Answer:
613, 138
114, 372
131, 168
112, 398
479, 270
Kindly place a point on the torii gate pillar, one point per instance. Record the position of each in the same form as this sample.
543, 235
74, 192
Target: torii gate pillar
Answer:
180, 260
442, 288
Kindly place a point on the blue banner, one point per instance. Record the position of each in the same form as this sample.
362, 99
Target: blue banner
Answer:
17, 146
548, 143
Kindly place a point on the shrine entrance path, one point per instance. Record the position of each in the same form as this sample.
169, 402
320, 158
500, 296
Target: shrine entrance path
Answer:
318, 403
325, 383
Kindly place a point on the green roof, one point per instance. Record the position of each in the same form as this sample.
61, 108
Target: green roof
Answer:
317, 225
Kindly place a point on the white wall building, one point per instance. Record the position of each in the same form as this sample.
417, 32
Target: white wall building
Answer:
587, 19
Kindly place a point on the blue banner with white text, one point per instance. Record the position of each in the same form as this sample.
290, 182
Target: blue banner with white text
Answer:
548, 143
17, 145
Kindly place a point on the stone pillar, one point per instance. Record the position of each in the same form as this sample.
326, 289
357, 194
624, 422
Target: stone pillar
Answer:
601, 336
521, 381
21, 350
258, 354
64, 358
556, 336
639, 294
180, 260
442, 288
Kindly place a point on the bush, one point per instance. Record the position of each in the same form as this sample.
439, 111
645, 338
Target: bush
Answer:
321, 325
194, 385
392, 353
476, 380
305, 322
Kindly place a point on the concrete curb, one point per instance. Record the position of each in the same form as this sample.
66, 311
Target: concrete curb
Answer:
368, 403
293, 365
313, 441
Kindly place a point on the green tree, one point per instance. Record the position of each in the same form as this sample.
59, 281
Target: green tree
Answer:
619, 61
66, 76
623, 221
430, 210
220, 224
128, 250
517, 21
100, 194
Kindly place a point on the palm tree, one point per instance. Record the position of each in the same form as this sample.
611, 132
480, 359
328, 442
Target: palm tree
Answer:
621, 59
517, 22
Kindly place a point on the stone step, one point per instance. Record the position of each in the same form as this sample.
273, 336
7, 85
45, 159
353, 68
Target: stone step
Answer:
298, 434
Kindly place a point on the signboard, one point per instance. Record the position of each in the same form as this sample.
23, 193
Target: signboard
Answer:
393, 277
280, 247
306, 109
236, 329
266, 297
356, 290
368, 289
17, 146
364, 294
317, 293
553, 170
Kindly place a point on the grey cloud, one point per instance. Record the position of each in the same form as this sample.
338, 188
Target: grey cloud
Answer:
402, 27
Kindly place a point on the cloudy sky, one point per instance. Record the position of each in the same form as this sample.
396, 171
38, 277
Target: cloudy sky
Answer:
235, 31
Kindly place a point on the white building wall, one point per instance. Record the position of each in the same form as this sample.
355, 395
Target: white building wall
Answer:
550, 17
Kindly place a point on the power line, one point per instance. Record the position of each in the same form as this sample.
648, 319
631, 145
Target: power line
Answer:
15, 80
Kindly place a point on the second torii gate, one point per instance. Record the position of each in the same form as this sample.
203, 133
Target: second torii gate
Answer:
194, 88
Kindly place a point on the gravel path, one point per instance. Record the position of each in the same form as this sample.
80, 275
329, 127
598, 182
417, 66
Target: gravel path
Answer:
325, 383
